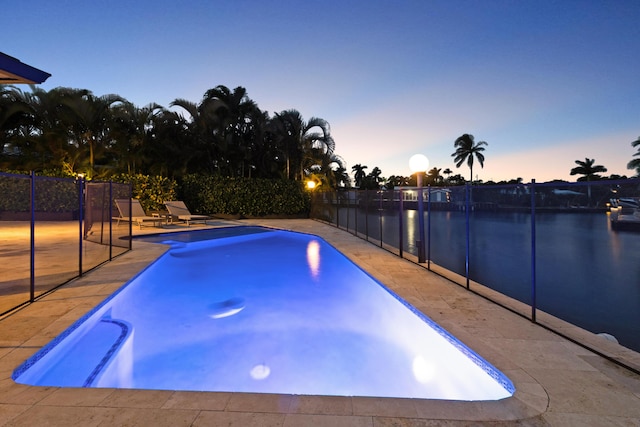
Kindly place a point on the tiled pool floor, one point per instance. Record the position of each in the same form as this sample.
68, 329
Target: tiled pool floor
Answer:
557, 382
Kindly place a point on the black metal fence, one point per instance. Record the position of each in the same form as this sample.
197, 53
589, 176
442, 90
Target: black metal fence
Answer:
53, 230
567, 249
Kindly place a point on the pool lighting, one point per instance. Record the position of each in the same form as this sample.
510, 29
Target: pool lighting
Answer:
226, 308
313, 258
260, 372
423, 371
418, 163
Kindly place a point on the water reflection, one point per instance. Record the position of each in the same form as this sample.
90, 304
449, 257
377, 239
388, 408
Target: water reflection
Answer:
313, 258
423, 370
586, 273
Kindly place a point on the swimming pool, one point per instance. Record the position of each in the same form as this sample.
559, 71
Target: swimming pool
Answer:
267, 311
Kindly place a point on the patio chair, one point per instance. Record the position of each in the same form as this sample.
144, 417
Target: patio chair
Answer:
137, 214
177, 209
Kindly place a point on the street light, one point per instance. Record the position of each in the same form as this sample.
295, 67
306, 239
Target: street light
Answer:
418, 163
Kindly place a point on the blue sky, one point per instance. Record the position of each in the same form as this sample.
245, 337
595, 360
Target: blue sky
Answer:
543, 82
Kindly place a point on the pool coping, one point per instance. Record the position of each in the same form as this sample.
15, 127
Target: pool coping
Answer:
531, 400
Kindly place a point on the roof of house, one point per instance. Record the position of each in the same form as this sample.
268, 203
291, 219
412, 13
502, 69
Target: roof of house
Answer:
12, 71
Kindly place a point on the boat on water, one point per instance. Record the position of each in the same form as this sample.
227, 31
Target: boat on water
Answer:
626, 202
625, 213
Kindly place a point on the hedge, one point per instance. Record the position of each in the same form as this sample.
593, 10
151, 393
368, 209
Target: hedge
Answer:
51, 194
245, 197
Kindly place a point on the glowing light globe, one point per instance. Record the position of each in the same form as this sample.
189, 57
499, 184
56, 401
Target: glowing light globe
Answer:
418, 163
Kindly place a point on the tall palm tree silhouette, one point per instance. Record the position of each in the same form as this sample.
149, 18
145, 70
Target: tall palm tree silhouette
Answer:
467, 150
359, 173
589, 170
635, 163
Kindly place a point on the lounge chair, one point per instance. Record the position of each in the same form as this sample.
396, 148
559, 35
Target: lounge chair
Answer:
137, 214
177, 209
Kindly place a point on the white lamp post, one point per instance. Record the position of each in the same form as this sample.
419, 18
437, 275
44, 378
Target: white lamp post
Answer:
418, 163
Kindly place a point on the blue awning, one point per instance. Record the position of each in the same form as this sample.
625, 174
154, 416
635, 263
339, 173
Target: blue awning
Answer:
12, 71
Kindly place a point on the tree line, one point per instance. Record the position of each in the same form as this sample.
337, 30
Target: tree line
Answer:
467, 150
74, 131
70, 131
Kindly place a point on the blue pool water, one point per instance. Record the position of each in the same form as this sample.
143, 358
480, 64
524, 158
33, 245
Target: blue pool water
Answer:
267, 311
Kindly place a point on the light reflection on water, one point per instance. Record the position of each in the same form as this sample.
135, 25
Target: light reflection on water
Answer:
313, 258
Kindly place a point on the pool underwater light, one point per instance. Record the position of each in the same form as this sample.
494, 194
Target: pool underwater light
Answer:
260, 372
423, 371
226, 308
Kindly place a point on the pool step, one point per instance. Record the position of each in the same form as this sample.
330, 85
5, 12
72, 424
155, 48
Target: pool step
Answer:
87, 359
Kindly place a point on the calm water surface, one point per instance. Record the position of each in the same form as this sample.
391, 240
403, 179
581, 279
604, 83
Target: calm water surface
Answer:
586, 273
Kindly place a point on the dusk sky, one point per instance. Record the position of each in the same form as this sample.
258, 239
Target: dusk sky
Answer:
543, 82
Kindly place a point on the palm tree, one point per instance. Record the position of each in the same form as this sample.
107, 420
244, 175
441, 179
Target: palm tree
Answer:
303, 144
589, 171
205, 149
19, 130
448, 173
635, 163
456, 179
466, 150
88, 118
34, 137
358, 174
286, 128
132, 128
433, 176
259, 155
170, 149
341, 176
237, 118
375, 176
333, 168
372, 180
226, 133
397, 181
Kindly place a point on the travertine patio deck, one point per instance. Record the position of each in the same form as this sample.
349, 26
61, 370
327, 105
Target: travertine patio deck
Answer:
557, 382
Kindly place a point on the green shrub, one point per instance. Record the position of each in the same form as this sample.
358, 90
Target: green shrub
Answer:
247, 197
151, 190
244, 196
51, 194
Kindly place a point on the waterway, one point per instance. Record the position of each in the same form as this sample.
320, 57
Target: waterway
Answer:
585, 272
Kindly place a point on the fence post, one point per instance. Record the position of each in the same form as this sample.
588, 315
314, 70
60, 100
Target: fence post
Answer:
130, 219
429, 227
32, 239
337, 203
533, 250
467, 249
355, 213
348, 208
366, 214
110, 210
400, 225
80, 221
381, 194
